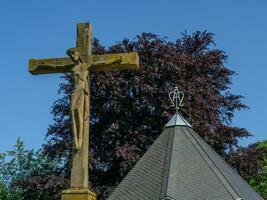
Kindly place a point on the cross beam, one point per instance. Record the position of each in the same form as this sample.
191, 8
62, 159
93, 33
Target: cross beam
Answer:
81, 63
129, 61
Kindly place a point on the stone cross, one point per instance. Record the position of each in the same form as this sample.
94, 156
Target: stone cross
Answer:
80, 63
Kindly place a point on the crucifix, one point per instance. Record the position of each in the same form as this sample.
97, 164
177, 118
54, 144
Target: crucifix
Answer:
80, 62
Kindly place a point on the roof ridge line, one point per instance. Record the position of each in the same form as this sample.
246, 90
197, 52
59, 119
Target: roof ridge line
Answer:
167, 164
185, 121
226, 164
212, 165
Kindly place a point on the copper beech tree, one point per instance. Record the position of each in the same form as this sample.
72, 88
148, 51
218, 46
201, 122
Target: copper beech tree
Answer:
129, 109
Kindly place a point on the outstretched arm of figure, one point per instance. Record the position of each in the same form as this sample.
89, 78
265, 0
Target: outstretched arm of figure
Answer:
48, 66
117, 62
44, 65
108, 62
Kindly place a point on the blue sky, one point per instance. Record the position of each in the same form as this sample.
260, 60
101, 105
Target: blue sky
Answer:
46, 28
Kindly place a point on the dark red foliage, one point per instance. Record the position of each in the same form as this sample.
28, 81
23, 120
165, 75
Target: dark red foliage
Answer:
44, 186
130, 108
248, 161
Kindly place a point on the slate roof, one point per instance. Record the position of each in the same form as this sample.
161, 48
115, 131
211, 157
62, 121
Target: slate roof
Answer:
181, 166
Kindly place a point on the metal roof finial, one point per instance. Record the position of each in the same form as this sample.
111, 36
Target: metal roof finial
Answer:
176, 96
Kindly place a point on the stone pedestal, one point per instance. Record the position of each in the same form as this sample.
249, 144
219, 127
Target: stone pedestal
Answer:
78, 194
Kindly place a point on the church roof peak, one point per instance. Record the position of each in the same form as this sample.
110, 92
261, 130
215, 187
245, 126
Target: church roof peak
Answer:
177, 120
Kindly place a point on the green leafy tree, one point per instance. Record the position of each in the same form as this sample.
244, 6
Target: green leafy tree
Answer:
259, 182
18, 169
2, 191
251, 163
12, 168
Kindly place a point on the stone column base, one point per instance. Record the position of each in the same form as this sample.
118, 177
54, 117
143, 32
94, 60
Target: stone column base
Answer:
78, 194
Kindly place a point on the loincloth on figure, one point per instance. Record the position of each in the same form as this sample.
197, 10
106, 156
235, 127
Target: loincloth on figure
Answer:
78, 98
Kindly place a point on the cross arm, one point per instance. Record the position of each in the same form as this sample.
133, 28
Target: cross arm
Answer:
50, 65
110, 62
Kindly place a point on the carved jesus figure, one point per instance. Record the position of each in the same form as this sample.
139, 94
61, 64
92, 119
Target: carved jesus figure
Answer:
80, 92
79, 96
